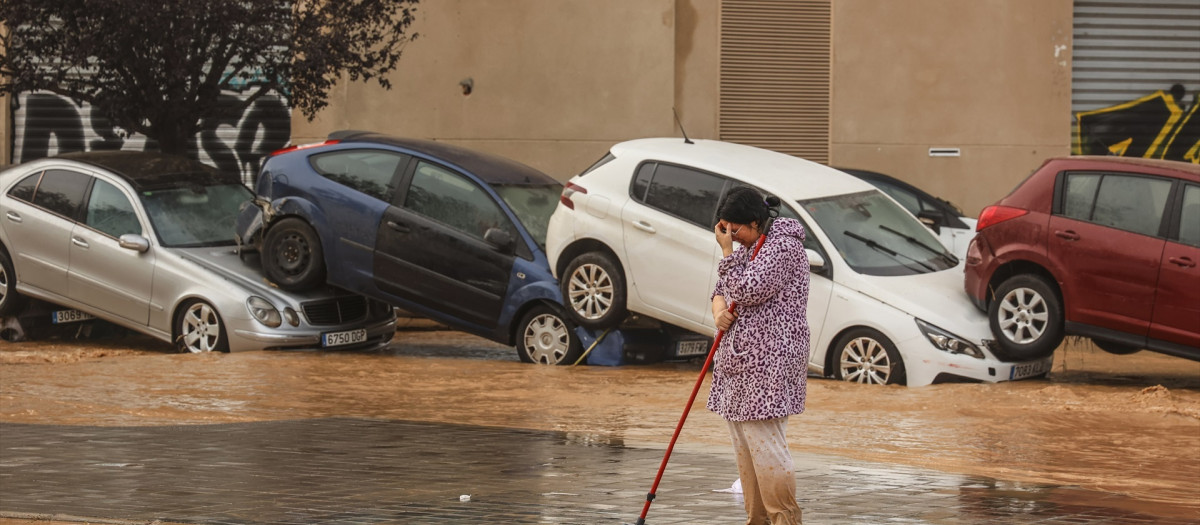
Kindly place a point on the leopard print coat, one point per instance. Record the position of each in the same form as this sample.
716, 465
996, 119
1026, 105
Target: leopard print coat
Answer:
761, 365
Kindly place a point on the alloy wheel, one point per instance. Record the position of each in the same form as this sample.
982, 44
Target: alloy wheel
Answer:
200, 329
590, 291
864, 360
1023, 315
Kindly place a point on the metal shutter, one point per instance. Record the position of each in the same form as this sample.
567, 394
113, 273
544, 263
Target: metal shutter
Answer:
1127, 57
775, 75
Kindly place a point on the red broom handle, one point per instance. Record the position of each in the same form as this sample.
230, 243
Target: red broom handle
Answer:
687, 408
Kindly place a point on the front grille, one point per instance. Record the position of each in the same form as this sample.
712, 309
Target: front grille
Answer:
335, 311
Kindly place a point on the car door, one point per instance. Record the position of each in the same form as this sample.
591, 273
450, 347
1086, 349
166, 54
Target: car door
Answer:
102, 273
1177, 304
431, 249
669, 246
363, 183
1105, 234
39, 225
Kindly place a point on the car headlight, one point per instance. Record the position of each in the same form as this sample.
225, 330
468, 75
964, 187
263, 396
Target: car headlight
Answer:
291, 316
262, 310
948, 342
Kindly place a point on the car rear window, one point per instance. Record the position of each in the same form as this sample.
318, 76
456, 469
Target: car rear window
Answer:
61, 191
372, 172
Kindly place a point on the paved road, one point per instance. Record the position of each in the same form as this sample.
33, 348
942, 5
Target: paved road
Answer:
353, 470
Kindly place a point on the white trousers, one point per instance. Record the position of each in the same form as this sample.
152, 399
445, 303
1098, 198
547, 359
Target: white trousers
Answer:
767, 473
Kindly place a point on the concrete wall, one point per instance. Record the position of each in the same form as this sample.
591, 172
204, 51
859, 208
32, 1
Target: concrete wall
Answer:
556, 82
990, 77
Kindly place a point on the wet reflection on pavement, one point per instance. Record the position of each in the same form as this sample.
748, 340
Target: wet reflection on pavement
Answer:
1123, 425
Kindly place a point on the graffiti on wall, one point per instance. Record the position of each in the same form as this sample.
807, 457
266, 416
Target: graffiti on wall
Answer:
48, 124
1159, 125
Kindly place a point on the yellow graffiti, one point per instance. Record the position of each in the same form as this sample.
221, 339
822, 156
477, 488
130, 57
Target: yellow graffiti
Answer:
1193, 153
1157, 147
1119, 148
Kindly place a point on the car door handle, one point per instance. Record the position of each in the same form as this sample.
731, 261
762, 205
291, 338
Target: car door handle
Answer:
14, 216
1185, 262
644, 226
79, 242
398, 227
1068, 235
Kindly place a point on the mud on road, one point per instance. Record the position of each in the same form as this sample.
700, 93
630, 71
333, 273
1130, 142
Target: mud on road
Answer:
1123, 424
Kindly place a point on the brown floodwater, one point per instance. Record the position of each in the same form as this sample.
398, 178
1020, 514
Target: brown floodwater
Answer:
1121, 424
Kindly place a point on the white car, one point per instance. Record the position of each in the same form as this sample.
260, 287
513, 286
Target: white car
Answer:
633, 233
947, 221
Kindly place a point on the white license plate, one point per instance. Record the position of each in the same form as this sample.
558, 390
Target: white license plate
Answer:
1022, 371
685, 348
69, 316
343, 338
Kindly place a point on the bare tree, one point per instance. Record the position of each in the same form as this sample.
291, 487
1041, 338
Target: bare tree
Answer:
158, 68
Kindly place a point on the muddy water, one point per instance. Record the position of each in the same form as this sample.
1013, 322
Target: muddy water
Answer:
1124, 424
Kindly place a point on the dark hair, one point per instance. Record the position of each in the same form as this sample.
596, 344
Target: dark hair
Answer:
743, 205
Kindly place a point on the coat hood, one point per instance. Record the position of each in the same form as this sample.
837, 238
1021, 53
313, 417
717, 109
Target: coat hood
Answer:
786, 227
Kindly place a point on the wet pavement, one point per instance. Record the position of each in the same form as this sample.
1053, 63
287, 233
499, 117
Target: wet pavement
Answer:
355, 470
122, 431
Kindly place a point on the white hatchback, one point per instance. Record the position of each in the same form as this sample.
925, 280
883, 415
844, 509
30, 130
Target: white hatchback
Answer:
633, 233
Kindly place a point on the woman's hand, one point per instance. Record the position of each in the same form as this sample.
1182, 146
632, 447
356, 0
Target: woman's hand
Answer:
721, 314
724, 319
724, 237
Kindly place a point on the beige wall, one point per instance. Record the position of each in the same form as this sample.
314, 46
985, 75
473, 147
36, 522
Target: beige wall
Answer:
991, 77
556, 82
697, 67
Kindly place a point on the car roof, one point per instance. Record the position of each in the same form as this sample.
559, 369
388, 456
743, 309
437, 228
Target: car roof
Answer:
789, 177
1184, 169
493, 169
152, 170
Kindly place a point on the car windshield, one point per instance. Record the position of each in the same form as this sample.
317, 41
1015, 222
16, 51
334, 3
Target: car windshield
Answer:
191, 216
533, 206
876, 236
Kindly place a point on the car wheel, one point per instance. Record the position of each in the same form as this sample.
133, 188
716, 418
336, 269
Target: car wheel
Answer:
11, 301
866, 356
292, 257
546, 337
198, 328
1026, 318
594, 289
1116, 348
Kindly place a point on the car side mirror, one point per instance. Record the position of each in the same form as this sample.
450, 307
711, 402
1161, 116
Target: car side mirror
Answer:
932, 219
135, 242
500, 239
816, 263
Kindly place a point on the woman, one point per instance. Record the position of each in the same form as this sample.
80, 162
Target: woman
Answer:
760, 374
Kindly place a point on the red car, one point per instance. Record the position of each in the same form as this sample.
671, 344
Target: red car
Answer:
1101, 247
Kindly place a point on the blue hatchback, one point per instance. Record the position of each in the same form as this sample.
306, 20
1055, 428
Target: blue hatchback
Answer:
447, 232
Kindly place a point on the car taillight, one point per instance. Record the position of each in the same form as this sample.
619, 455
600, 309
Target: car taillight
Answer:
290, 149
569, 190
993, 215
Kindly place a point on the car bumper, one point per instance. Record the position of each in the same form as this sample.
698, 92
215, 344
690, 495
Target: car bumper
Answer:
976, 271
926, 365
378, 334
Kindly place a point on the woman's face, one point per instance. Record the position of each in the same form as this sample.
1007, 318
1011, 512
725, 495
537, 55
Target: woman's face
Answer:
745, 234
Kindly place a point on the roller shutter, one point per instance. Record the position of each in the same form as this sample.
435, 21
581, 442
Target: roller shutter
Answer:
775, 75
1136, 77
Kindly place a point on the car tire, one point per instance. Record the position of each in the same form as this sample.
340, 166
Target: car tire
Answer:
199, 329
292, 256
11, 301
593, 287
1116, 348
546, 337
864, 355
1026, 318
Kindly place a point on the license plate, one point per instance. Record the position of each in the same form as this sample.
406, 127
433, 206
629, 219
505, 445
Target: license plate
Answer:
1024, 370
343, 338
69, 316
685, 348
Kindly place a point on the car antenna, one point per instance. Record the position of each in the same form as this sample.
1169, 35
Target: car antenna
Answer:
686, 140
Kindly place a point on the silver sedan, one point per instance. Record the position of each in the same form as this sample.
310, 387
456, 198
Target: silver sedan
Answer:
146, 241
